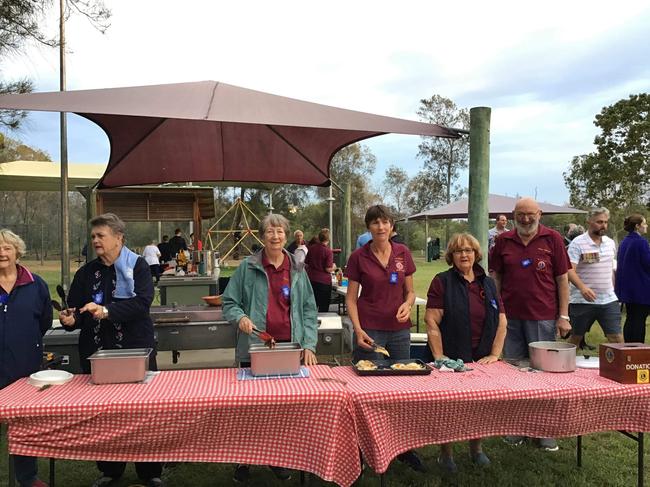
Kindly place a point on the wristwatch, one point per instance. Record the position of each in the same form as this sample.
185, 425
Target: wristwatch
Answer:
565, 317
104, 312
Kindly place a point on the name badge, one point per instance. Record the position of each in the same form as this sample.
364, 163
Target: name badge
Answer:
493, 302
526, 262
98, 297
4, 298
285, 291
393, 278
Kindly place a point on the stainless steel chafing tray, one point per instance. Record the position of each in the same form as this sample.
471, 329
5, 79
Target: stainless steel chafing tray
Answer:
284, 359
118, 366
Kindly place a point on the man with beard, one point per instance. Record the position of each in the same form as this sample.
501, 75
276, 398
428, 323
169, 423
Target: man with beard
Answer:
531, 272
592, 294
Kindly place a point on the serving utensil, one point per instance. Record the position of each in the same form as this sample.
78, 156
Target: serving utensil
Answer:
268, 340
380, 349
61, 292
56, 305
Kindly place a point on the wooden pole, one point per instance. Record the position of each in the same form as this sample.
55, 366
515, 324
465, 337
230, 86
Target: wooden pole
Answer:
479, 176
346, 246
65, 212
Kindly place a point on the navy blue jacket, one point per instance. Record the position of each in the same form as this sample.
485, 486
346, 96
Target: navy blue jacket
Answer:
129, 324
24, 319
632, 284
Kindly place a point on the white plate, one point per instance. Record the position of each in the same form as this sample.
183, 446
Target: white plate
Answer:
54, 377
588, 363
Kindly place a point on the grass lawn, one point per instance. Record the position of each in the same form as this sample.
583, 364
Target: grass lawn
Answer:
608, 458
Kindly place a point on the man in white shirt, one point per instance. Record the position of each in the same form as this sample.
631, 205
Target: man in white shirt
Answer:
592, 296
500, 226
151, 254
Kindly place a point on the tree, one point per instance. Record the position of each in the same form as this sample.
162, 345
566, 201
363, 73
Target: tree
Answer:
395, 187
20, 21
443, 158
616, 174
354, 164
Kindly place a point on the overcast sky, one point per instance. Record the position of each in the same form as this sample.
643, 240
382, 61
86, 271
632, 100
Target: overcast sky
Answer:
545, 69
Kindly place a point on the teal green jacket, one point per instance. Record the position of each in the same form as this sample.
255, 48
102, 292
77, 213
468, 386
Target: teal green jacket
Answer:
247, 295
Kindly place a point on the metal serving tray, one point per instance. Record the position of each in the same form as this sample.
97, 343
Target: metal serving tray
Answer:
284, 359
118, 366
383, 368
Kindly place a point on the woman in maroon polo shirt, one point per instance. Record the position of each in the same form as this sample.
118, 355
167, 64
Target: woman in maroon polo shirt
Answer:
380, 313
320, 265
465, 320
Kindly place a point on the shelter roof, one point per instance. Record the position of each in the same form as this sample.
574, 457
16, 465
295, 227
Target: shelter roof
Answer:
46, 175
497, 205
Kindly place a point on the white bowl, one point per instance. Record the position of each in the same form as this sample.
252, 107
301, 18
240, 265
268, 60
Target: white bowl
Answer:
53, 377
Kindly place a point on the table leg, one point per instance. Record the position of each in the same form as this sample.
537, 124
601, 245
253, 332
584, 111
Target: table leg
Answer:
640, 459
417, 318
12, 473
382, 479
579, 451
52, 472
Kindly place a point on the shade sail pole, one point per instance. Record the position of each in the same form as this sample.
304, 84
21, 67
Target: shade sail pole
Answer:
479, 176
347, 223
65, 212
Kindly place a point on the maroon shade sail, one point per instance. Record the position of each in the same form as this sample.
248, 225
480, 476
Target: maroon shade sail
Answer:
209, 131
497, 205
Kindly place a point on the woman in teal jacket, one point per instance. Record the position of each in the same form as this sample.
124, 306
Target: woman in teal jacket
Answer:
272, 291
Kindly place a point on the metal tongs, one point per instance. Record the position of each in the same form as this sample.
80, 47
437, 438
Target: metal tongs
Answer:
380, 349
268, 340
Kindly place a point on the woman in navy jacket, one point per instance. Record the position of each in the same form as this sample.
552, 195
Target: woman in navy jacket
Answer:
633, 277
25, 315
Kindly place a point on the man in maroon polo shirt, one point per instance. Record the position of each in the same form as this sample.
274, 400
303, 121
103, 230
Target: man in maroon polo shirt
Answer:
531, 267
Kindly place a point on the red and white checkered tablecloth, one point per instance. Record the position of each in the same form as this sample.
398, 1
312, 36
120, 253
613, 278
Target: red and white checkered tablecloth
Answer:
395, 414
190, 415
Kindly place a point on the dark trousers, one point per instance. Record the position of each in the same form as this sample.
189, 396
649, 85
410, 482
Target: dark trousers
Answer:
155, 272
323, 295
634, 330
26, 469
145, 470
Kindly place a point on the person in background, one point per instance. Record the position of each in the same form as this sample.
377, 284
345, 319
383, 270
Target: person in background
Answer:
569, 229
363, 239
530, 268
633, 277
151, 254
270, 291
177, 243
26, 316
165, 250
591, 275
320, 265
396, 237
109, 299
501, 226
195, 245
465, 320
383, 271
298, 240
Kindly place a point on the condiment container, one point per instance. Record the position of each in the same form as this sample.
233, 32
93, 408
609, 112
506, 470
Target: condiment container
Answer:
283, 359
552, 356
118, 366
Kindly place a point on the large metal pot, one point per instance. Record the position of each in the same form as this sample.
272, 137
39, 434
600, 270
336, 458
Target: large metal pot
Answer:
552, 356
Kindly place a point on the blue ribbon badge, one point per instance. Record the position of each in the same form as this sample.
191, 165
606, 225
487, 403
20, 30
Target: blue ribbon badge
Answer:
98, 297
393, 278
526, 262
285, 291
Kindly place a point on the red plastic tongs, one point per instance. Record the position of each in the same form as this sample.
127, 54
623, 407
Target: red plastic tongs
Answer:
268, 340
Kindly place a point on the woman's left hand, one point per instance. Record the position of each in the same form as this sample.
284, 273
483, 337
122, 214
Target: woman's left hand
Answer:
403, 313
96, 310
310, 357
488, 359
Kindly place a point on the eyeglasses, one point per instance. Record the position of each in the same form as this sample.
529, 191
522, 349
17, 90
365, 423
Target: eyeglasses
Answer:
528, 216
463, 251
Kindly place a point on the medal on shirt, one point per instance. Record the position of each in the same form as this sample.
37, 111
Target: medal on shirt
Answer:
393, 278
526, 262
98, 297
4, 299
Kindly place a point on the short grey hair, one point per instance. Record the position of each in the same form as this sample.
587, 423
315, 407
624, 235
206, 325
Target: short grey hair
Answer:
110, 220
576, 231
598, 211
9, 237
274, 220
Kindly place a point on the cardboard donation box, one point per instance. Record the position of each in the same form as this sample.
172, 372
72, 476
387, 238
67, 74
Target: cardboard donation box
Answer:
628, 363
